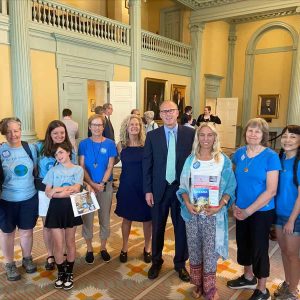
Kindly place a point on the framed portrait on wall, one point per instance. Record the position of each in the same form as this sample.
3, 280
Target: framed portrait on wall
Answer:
268, 106
92, 105
178, 96
154, 95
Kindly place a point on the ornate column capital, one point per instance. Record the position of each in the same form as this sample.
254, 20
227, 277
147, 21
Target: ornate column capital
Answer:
197, 27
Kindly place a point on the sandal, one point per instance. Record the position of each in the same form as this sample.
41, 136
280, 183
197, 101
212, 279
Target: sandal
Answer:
196, 294
50, 266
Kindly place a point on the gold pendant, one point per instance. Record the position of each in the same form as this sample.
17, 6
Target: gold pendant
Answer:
246, 170
95, 165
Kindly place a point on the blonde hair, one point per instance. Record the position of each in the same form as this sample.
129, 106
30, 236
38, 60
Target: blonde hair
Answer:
263, 126
124, 136
216, 149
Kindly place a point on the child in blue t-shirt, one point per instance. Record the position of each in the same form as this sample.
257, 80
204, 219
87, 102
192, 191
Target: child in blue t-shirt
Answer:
287, 219
61, 181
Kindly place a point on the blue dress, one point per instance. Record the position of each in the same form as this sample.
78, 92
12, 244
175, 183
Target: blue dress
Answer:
131, 203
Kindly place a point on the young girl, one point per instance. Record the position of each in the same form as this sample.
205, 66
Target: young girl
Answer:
287, 219
61, 181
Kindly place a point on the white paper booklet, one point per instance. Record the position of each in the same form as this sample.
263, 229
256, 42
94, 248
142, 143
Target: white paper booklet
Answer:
84, 203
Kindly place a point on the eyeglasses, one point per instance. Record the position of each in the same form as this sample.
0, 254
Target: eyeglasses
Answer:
168, 111
97, 125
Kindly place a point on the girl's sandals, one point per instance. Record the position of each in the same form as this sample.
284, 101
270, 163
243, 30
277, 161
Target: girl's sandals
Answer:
50, 263
196, 294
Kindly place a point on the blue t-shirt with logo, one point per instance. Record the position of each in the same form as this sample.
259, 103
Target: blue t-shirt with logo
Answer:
45, 163
60, 176
96, 157
18, 167
287, 191
251, 176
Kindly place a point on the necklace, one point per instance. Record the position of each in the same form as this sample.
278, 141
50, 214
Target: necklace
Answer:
95, 164
247, 159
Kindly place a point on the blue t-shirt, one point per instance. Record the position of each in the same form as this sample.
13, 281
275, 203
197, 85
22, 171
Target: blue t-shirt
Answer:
18, 167
45, 163
60, 176
254, 182
287, 192
96, 157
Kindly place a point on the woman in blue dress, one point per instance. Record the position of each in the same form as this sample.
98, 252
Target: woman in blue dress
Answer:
131, 204
287, 219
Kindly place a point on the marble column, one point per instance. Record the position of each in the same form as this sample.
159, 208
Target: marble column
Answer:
21, 66
196, 44
293, 116
230, 60
136, 43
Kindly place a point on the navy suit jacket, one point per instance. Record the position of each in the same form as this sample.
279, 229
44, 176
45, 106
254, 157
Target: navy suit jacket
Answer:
155, 158
109, 130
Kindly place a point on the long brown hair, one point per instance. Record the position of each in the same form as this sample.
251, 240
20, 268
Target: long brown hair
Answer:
48, 147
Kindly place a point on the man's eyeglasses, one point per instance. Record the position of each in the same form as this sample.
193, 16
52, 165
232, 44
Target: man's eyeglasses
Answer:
168, 111
96, 125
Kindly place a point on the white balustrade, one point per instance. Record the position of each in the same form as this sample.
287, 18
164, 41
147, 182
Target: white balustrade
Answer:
62, 16
155, 43
65, 17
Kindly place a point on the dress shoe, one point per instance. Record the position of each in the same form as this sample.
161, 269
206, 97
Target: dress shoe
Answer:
154, 271
183, 274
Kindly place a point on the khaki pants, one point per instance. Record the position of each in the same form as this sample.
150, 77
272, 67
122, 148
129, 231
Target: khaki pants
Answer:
104, 200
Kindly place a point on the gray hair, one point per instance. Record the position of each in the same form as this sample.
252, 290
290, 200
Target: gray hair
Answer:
149, 114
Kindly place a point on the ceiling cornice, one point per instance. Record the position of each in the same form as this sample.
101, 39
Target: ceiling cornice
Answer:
199, 4
245, 9
264, 16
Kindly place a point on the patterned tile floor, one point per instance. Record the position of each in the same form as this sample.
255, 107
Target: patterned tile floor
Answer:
114, 280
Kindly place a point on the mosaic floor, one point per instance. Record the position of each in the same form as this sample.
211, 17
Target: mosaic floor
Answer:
114, 280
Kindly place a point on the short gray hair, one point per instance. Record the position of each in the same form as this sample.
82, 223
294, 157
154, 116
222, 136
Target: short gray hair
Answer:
149, 114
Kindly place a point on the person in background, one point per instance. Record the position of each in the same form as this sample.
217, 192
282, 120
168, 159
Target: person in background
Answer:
166, 149
108, 129
188, 111
207, 222
61, 181
189, 122
96, 156
208, 117
256, 171
19, 201
56, 133
98, 111
72, 127
287, 219
131, 204
153, 105
150, 123
135, 111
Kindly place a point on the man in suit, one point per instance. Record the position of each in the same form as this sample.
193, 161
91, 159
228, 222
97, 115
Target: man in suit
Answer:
160, 193
108, 129
153, 104
267, 107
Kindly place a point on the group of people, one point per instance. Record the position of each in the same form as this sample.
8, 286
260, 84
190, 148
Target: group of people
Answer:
172, 168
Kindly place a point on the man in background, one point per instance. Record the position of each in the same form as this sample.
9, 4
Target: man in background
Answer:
108, 129
72, 127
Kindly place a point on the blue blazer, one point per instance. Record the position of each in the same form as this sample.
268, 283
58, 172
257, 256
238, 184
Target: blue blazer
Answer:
155, 158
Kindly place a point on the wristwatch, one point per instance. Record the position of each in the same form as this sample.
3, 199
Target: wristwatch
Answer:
104, 183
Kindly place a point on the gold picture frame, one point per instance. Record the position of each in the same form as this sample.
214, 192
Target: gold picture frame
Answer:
178, 95
154, 95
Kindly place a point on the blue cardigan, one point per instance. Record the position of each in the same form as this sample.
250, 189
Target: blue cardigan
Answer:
227, 186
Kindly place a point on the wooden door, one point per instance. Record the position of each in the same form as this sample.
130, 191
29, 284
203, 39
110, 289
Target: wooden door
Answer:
226, 110
75, 97
122, 96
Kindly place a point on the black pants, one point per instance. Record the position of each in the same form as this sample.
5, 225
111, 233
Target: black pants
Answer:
160, 213
252, 238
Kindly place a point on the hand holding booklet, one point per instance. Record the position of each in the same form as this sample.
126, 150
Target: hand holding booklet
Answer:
84, 203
